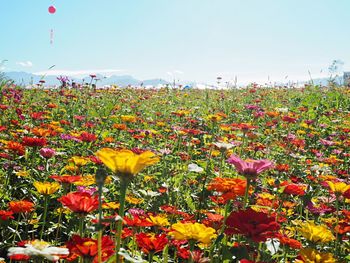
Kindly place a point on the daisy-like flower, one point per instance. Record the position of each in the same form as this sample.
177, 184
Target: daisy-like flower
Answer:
315, 233
38, 248
250, 168
82, 203
338, 187
192, 231
311, 255
192, 167
126, 163
46, 188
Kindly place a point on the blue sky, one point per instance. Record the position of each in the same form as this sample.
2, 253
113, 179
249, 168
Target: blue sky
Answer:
183, 39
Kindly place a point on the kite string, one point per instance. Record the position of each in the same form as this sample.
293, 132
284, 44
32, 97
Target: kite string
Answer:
51, 36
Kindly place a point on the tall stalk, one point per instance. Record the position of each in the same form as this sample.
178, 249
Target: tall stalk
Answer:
123, 187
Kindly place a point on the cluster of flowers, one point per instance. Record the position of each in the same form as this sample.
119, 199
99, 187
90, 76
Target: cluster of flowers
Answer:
249, 182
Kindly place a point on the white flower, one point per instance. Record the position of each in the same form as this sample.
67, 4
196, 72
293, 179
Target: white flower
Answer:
272, 245
224, 145
39, 248
195, 168
149, 193
281, 109
126, 256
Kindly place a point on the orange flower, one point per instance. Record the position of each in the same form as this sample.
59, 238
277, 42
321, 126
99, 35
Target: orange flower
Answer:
22, 206
225, 185
120, 127
16, 147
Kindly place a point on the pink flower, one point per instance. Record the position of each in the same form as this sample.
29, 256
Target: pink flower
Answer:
250, 168
47, 152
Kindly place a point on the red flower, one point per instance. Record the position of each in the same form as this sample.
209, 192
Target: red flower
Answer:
346, 194
80, 202
87, 137
87, 248
257, 226
289, 119
151, 243
19, 257
140, 221
293, 189
6, 215
22, 206
66, 179
34, 142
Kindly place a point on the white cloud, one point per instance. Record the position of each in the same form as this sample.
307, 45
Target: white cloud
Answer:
79, 73
26, 64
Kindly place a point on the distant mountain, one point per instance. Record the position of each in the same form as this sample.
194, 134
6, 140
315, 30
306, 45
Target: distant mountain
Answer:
25, 78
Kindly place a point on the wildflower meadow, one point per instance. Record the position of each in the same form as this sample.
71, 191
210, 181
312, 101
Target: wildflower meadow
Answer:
254, 174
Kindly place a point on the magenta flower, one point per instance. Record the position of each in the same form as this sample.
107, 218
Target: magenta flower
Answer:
47, 152
250, 168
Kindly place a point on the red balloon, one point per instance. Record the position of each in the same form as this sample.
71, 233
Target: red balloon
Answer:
52, 9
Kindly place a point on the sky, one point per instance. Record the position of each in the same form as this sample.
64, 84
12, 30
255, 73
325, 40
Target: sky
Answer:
192, 40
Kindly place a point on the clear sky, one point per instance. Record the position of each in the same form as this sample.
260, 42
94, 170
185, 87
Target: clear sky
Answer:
190, 39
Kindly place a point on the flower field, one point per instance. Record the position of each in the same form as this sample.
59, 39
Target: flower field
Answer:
245, 175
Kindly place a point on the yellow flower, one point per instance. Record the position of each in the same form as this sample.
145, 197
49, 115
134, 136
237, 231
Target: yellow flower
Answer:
267, 196
22, 173
148, 178
214, 117
215, 153
86, 180
194, 231
310, 255
79, 161
128, 118
160, 124
133, 200
125, 162
46, 188
338, 187
111, 205
315, 233
159, 220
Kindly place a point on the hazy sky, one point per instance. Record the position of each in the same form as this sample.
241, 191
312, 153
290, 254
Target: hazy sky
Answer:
190, 39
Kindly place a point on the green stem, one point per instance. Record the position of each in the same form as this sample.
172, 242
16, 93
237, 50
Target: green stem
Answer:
81, 226
44, 216
59, 224
246, 202
124, 185
150, 257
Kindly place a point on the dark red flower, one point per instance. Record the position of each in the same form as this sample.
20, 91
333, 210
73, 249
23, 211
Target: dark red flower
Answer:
257, 226
34, 142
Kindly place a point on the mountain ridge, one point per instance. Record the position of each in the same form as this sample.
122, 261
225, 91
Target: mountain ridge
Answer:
25, 78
